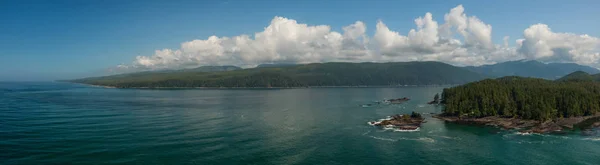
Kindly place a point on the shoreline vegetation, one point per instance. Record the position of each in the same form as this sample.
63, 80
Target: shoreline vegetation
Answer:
332, 74
529, 105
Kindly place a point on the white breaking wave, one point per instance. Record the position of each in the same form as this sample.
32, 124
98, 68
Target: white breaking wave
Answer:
392, 128
436, 130
373, 123
523, 133
592, 139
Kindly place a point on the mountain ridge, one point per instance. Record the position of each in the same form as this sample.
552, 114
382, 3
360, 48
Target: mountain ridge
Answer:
302, 75
531, 68
580, 76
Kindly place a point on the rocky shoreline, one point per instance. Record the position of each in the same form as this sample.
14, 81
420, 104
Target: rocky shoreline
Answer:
529, 126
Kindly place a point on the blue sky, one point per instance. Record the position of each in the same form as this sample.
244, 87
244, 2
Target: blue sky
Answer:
47, 40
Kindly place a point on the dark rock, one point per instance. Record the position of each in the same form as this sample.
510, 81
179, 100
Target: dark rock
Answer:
403, 122
528, 126
398, 100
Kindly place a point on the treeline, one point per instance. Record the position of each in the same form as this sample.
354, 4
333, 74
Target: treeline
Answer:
320, 74
526, 98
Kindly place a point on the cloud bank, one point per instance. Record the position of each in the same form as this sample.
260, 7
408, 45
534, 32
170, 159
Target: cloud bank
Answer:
460, 40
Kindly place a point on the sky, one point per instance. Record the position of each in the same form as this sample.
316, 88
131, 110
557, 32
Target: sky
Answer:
49, 40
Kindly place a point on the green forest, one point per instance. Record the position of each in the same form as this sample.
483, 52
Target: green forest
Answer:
305, 75
526, 98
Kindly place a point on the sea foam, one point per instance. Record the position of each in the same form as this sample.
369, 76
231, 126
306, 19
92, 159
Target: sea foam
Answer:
592, 139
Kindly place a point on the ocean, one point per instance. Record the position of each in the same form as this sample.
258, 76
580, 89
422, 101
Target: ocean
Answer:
64, 123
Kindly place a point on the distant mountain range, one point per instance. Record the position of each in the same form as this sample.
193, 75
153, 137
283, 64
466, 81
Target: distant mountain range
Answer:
580, 76
212, 69
303, 75
341, 74
536, 69
275, 65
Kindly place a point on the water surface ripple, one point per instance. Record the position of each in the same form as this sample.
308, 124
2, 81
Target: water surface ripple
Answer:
61, 123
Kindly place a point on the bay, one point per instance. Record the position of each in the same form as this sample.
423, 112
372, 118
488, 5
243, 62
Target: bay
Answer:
62, 123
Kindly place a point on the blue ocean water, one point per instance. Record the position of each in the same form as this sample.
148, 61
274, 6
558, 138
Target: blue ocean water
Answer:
62, 123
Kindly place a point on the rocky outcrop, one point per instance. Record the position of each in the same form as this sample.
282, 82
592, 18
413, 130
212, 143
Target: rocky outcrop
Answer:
397, 101
401, 122
436, 99
527, 126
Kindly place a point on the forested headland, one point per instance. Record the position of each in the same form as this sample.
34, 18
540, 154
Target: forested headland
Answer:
525, 98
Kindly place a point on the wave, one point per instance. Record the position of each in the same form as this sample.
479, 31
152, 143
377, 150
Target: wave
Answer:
592, 139
531, 133
392, 128
523, 133
385, 139
366, 133
422, 139
426, 139
373, 123
448, 137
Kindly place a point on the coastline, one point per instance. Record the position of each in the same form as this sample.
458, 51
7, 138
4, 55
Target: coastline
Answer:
528, 126
341, 86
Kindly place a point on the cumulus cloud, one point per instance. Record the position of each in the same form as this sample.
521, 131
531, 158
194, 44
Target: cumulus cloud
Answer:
434, 42
541, 43
283, 41
287, 41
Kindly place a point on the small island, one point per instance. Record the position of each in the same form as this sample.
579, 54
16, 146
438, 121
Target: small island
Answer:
529, 105
396, 101
404, 122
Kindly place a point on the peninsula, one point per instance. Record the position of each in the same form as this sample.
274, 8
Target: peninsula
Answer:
529, 104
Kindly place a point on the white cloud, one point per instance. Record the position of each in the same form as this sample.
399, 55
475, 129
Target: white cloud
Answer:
284, 40
542, 44
287, 41
474, 31
433, 42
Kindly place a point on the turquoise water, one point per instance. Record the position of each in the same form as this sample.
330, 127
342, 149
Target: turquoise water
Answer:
60, 123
